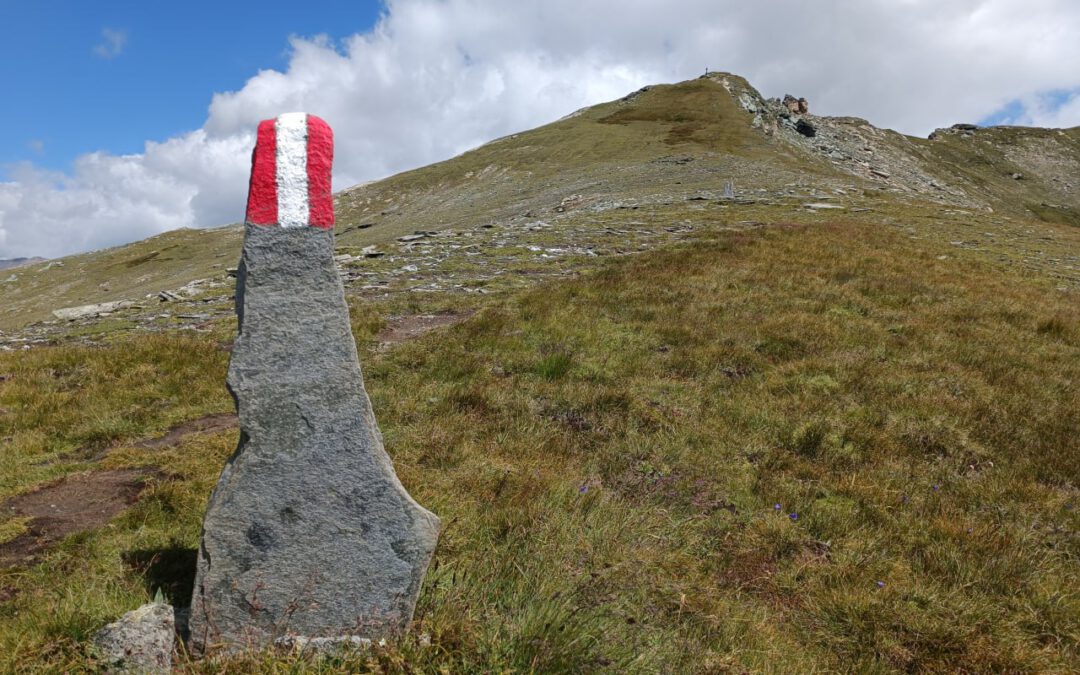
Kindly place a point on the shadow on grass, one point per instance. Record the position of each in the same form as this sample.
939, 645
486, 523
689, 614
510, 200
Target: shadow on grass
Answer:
172, 570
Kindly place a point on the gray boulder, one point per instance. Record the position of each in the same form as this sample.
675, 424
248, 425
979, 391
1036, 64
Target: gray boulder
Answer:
805, 128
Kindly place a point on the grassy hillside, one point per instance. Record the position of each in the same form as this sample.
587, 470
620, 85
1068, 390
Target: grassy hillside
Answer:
791, 449
660, 145
663, 144
665, 431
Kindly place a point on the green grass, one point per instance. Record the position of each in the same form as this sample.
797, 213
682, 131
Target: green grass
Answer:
607, 454
66, 404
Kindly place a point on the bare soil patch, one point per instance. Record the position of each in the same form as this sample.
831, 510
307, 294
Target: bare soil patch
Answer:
73, 504
402, 328
87, 501
176, 434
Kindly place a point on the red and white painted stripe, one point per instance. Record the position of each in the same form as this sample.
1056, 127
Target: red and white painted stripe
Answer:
290, 173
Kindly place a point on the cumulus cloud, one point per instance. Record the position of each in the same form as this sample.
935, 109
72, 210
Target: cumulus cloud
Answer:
112, 44
436, 77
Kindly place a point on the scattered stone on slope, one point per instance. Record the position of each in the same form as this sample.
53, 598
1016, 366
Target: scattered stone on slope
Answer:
89, 311
402, 328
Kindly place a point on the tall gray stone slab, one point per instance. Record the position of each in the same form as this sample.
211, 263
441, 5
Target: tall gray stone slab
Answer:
308, 532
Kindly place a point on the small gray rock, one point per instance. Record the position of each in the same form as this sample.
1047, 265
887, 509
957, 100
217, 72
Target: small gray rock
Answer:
140, 642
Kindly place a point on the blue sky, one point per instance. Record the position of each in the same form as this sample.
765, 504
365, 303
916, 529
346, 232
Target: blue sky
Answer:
123, 119
70, 89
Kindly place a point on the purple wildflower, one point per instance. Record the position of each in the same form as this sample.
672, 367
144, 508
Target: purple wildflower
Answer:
793, 516
583, 489
776, 507
881, 584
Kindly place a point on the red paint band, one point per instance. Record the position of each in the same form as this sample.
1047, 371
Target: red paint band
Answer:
320, 163
262, 206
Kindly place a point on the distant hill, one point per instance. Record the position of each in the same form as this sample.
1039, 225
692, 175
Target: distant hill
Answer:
18, 262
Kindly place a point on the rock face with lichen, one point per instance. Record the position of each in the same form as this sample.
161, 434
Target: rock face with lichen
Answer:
308, 532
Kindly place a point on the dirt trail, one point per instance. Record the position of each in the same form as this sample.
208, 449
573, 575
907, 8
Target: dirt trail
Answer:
175, 435
403, 328
73, 504
87, 501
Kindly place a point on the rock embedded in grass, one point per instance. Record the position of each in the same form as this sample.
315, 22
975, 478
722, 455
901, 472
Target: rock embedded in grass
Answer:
141, 641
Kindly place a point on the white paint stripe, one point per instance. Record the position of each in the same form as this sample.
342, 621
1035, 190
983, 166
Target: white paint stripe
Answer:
292, 178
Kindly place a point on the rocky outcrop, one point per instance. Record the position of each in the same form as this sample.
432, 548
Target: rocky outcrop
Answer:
964, 130
796, 106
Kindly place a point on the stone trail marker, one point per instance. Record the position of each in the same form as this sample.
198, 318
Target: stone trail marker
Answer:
308, 532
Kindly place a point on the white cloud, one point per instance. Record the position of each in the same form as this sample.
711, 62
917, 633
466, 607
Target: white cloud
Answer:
436, 77
1045, 109
112, 44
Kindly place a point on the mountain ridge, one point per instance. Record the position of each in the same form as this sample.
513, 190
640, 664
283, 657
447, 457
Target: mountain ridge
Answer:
659, 144
9, 263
